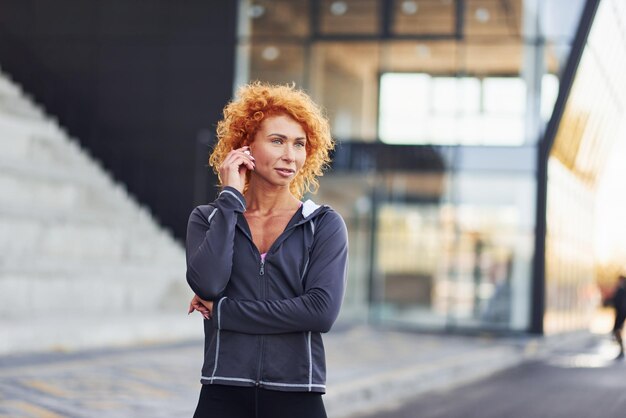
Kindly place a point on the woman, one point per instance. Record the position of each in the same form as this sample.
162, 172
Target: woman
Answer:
268, 270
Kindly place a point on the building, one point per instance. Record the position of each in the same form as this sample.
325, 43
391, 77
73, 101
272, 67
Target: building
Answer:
475, 137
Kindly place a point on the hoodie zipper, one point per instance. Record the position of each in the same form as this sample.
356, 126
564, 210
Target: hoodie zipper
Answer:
261, 337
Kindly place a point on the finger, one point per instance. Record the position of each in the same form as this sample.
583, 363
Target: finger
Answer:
202, 311
248, 154
197, 305
245, 162
243, 152
201, 308
245, 155
237, 160
207, 304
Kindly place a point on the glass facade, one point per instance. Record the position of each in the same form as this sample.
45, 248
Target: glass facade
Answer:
437, 107
463, 110
585, 234
449, 247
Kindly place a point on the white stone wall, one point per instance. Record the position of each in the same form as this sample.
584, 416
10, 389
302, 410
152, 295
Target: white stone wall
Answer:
75, 246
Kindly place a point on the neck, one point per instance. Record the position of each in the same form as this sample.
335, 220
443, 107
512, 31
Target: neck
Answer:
269, 199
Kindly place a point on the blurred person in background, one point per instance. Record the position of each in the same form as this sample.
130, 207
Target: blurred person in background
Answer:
268, 270
618, 300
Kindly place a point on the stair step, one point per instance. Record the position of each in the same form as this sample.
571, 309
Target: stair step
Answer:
129, 235
79, 332
35, 141
139, 217
39, 260
92, 243
92, 290
60, 187
76, 268
88, 240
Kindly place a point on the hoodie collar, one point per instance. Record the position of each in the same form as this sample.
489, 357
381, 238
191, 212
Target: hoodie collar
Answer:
309, 207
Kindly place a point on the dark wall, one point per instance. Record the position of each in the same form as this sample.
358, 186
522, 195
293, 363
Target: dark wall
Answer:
135, 81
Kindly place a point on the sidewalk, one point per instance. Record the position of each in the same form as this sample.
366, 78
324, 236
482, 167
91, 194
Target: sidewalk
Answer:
368, 369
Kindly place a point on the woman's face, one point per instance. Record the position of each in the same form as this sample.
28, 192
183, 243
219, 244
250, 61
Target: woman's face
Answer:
279, 150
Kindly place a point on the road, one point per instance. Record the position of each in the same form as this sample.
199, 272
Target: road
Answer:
565, 385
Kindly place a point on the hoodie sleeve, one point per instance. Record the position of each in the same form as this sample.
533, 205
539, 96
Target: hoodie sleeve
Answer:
316, 310
210, 241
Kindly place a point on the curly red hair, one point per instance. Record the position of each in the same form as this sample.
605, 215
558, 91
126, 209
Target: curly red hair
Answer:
255, 102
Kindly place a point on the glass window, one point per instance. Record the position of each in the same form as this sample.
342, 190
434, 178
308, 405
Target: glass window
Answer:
349, 17
426, 109
350, 195
277, 62
277, 18
434, 17
344, 78
440, 57
559, 19
462, 258
418, 84
404, 107
549, 93
493, 18
586, 180
492, 58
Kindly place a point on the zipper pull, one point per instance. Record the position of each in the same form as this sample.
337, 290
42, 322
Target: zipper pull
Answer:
262, 272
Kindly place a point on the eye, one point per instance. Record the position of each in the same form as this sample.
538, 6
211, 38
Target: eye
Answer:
277, 141
300, 144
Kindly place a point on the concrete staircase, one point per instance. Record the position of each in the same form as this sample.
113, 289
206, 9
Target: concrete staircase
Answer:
82, 264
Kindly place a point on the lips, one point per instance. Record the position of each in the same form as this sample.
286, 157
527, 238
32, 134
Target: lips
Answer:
285, 172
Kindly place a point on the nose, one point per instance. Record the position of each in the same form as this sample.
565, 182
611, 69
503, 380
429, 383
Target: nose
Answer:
289, 154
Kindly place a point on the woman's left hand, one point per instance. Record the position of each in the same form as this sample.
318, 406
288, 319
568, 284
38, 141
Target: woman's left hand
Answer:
205, 307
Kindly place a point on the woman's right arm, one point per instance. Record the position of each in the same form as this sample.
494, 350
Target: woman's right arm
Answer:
210, 241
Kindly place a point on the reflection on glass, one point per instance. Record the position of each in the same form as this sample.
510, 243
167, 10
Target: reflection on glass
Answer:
569, 251
277, 18
549, 93
582, 181
425, 109
424, 56
438, 263
447, 265
423, 17
349, 17
336, 51
493, 18
345, 81
277, 63
450, 252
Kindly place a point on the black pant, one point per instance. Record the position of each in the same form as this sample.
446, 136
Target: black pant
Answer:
220, 401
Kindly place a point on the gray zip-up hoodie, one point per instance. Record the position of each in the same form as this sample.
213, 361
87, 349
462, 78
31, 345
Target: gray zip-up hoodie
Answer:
267, 314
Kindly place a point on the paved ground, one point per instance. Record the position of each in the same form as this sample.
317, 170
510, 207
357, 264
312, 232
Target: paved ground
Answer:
368, 368
156, 382
588, 384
